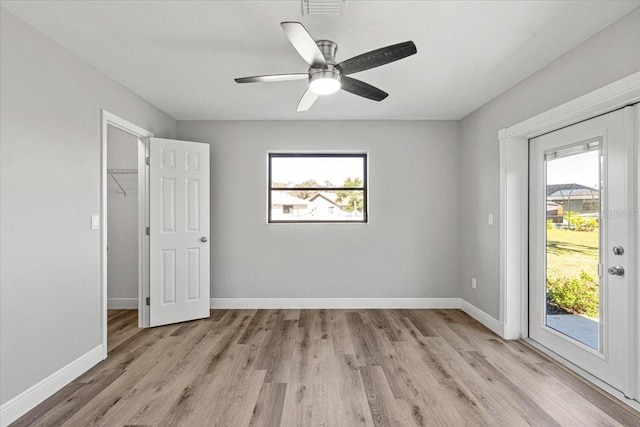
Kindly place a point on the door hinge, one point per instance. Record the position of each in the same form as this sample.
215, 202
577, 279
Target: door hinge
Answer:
148, 300
600, 272
146, 161
148, 231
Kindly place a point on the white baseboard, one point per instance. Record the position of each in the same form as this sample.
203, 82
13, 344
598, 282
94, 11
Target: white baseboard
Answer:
122, 303
36, 394
489, 321
333, 303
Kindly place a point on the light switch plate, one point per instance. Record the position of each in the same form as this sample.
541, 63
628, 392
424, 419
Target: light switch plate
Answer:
474, 284
95, 222
490, 220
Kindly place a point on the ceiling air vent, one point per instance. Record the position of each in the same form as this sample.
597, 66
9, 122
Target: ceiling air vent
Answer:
323, 7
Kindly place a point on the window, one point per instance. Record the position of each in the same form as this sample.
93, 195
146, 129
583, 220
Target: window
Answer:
317, 187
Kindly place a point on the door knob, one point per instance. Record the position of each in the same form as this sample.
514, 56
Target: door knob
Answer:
616, 271
618, 250
204, 239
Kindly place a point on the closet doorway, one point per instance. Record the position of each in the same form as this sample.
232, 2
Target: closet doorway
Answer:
124, 220
122, 229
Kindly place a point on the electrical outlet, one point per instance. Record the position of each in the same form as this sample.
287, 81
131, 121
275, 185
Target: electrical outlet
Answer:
473, 283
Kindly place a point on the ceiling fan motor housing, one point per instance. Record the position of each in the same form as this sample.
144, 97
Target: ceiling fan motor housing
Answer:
328, 49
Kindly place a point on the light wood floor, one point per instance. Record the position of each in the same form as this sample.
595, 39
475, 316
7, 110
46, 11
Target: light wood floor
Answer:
324, 368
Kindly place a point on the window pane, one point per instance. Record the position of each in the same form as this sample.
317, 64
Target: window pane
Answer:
306, 171
573, 246
323, 187
330, 205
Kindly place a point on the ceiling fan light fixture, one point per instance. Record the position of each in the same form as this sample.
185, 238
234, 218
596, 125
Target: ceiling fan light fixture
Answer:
324, 82
324, 86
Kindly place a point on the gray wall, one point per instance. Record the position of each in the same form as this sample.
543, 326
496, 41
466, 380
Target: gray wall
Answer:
50, 171
409, 248
608, 56
122, 216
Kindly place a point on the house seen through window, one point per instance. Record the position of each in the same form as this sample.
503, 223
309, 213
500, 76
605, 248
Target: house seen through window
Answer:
317, 187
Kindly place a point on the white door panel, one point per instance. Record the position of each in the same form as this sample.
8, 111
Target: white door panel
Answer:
595, 150
179, 231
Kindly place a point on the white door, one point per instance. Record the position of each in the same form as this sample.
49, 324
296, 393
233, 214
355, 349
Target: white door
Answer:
179, 231
580, 223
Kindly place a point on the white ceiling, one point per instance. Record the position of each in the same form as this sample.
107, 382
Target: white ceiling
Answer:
182, 56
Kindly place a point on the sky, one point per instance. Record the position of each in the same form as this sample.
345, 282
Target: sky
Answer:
582, 169
298, 169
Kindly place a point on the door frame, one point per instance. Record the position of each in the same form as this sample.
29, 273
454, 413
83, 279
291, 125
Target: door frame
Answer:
514, 208
110, 119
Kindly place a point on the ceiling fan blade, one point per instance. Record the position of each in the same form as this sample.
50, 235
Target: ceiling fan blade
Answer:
377, 57
272, 78
363, 89
304, 44
307, 100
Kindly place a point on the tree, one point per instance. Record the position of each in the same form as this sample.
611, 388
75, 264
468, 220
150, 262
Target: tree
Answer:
352, 200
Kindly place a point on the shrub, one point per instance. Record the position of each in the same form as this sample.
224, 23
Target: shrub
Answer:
549, 224
590, 224
580, 222
576, 295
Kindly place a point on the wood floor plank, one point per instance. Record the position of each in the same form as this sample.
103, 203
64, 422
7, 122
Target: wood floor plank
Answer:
340, 334
448, 383
527, 407
378, 405
548, 389
255, 325
408, 380
498, 407
149, 380
291, 314
621, 413
60, 414
367, 349
268, 409
216, 315
49, 406
324, 367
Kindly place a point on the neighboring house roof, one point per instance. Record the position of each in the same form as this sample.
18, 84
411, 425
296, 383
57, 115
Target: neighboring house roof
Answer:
329, 197
552, 206
571, 191
282, 198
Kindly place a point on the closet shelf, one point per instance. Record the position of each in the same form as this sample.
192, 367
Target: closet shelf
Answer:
113, 172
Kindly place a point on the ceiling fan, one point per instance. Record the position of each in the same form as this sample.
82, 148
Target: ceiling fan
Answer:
325, 75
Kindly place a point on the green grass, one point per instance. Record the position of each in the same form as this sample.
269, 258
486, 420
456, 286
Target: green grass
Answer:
572, 270
571, 252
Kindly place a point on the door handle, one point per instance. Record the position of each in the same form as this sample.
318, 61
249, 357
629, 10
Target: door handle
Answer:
204, 239
618, 250
616, 271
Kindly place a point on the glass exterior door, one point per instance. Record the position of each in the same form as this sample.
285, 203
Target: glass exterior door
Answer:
579, 217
